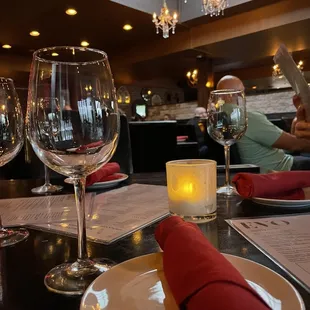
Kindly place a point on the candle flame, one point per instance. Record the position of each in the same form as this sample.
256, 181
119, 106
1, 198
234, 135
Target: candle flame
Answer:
188, 188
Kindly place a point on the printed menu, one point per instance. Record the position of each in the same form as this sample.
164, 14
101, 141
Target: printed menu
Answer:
45, 209
285, 240
120, 212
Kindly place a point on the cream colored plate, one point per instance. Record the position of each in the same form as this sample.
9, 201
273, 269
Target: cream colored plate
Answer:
140, 284
103, 185
280, 203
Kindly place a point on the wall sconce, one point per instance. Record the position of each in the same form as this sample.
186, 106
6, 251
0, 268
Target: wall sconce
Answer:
192, 77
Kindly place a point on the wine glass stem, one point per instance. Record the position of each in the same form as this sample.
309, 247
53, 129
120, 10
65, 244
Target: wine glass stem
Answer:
46, 175
79, 190
227, 163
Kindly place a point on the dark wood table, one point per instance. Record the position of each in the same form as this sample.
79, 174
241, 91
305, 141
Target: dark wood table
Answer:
23, 266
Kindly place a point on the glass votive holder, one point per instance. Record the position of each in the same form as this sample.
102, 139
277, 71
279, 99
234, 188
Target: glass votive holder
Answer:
191, 188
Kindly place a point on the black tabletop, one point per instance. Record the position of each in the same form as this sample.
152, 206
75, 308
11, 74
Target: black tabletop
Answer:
23, 266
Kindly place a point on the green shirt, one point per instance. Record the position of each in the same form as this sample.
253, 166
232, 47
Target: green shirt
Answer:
255, 147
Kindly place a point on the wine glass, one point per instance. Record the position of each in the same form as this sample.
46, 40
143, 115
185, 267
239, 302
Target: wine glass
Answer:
75, 132
47, 187
227, 123
11, 142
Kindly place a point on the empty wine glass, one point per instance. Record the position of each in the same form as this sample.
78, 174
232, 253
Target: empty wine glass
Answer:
47, 187
75, 132
11, 142
227, 123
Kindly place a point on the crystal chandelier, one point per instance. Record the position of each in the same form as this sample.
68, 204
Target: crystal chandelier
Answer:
277, 73
214, 7
165, 21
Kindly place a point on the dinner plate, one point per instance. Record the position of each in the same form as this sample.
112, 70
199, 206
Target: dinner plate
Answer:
140, 284
282, 203
103, 185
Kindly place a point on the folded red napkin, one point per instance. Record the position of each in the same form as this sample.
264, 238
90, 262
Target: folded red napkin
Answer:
281, 185
181, 138
83, 148
198, 275
106, 173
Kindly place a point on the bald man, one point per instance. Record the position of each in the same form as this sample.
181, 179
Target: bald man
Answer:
200, 129
264, 143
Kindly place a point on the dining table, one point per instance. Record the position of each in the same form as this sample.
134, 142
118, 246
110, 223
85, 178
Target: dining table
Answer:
23, 266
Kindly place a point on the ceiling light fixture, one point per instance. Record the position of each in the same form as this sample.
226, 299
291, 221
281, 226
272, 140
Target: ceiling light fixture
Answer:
7, 46
34, 33
127, 27
278, 74
84, 43
254, 87
55, 54
71, 11
214, 7
165, 21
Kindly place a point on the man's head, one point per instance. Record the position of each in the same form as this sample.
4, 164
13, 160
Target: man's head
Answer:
201, 112
230, 82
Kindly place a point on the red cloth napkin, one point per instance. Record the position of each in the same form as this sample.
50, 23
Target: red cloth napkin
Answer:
198, 275
83, 148
106, 173
281, 185
181, 138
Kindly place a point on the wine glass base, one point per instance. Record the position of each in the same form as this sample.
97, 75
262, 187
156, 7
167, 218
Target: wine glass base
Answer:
46, 189
12, 236
226, 191
73, 279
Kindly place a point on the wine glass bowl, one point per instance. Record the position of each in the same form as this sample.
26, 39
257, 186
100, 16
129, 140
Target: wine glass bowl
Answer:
73, 127
11, 142
227, 123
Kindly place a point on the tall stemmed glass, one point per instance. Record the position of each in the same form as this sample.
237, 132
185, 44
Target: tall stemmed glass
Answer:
47, 187
80, 135
11, 142
227, 123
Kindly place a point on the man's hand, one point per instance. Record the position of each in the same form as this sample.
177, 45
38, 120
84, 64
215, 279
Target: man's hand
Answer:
300, 128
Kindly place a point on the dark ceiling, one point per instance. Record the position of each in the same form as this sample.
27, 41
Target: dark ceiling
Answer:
98, 21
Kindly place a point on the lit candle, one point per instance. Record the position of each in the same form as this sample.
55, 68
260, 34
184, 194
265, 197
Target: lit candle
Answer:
191, 188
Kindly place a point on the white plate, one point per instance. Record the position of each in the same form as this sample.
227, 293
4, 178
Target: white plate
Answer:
140, 284
103, 185
282, 203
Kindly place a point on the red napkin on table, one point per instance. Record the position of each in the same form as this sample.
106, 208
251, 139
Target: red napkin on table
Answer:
281, 185
198, 275
182, 138
106, 173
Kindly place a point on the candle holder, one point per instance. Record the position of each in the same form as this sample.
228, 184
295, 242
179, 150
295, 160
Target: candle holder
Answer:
191, 188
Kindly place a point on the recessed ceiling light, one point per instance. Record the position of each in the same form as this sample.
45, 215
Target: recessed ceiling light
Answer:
7, 46
84, 43
34, 33
71, 11
55, 54
127, 27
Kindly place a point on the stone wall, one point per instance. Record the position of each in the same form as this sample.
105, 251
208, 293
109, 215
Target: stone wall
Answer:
277, 102
177, 111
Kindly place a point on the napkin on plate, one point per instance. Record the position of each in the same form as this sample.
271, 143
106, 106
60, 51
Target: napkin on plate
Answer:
286, 185
198, 275
106, 173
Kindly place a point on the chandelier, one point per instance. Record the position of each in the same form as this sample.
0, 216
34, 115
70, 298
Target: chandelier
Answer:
277, 73
165, 21
192, 77
214, 7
